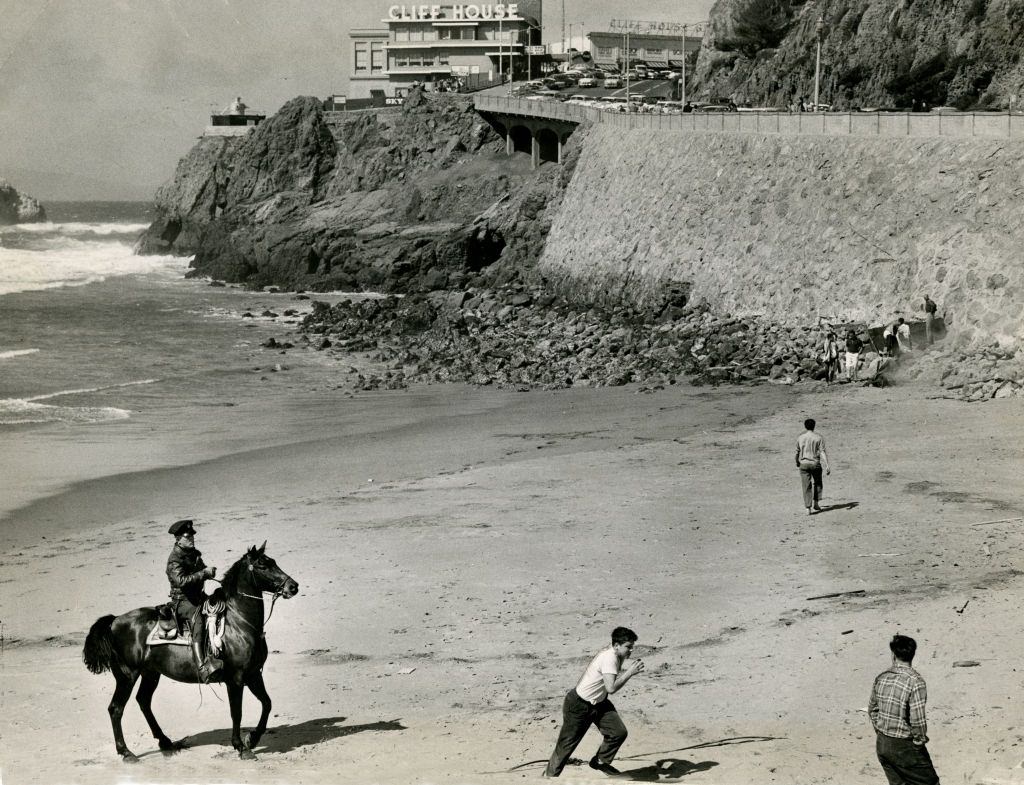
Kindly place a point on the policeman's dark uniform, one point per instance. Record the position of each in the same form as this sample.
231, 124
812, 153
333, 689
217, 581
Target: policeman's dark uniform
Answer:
186, 571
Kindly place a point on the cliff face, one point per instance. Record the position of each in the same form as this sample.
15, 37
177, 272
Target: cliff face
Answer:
388, 201
875, 53
17, 207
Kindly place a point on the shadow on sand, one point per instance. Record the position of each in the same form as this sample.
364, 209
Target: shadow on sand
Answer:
831, 507
285, 738
666, 769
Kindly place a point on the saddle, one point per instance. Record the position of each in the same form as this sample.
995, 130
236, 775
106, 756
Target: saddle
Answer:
170, 629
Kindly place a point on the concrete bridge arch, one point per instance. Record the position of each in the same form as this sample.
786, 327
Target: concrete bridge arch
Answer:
543, 138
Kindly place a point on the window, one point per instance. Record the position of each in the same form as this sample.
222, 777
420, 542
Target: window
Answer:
376, 57
402, 34
655, 52
416, 34
606, 52
362, 56
442, 58
401, 59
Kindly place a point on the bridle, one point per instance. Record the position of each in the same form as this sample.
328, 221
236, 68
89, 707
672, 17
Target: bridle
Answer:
275, 594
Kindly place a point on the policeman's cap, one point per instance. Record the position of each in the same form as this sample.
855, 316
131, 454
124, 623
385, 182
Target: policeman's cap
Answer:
179, 528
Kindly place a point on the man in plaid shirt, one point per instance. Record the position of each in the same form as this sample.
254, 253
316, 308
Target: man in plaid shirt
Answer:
897, 712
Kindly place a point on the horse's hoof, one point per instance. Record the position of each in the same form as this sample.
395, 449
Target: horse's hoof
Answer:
251, 740
129, 757
247, 755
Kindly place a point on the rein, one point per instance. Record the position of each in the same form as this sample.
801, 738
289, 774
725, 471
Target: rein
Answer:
275, 594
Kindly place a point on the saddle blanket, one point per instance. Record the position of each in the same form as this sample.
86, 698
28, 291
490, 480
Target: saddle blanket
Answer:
154, 639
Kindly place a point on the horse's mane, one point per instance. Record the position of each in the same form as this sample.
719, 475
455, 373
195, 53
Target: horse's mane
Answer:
229, 583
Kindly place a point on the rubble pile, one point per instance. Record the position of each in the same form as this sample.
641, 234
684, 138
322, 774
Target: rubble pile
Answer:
980, 375
528, 338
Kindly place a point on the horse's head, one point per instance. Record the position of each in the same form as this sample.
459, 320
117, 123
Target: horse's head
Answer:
267, 575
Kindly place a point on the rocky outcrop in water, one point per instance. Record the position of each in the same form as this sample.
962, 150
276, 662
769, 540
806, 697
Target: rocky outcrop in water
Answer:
18, 208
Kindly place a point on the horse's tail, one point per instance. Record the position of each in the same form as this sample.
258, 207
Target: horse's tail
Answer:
98, 652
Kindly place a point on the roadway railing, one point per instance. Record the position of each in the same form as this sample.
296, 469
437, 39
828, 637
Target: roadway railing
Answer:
999, 125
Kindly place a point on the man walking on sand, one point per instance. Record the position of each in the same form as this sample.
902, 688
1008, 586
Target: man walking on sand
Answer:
587, 703
810, 460
897, 711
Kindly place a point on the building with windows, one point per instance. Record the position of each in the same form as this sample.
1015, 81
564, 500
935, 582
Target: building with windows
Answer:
659, 48
235, 120
438, 46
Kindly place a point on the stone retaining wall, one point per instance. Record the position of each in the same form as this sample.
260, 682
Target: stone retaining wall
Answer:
797, 228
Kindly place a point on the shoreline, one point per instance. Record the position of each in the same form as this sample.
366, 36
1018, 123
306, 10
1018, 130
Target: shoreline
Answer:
422, 419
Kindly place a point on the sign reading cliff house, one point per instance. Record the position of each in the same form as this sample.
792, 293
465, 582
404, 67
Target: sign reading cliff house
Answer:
441, 46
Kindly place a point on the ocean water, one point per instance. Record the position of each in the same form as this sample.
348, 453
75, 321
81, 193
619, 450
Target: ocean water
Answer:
90, 332
114, 365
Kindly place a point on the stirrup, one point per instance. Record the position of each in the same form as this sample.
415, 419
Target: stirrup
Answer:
210, 668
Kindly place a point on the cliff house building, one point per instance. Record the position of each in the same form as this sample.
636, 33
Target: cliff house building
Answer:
443, 46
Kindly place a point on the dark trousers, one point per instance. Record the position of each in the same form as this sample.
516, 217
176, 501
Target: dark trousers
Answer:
904, 762
811, 482
577, 717
892, 345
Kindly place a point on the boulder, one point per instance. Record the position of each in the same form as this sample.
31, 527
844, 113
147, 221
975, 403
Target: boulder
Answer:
18, 208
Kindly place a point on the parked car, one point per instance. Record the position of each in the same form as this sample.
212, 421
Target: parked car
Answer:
612, 81
715, 108
587, 81
632, 75
557, 82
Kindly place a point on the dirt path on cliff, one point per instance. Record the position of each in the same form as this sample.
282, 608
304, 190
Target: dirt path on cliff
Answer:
443, 615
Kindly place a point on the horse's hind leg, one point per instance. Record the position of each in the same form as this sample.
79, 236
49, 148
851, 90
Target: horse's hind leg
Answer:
257, 688
122, 692
145, 698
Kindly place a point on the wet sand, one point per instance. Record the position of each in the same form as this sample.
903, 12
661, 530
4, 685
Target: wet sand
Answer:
447, 605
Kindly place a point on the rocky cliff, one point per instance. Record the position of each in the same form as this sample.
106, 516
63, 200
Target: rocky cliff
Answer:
875, 53
17, 207
412, 200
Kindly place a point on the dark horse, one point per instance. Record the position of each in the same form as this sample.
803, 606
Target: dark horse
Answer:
118, 644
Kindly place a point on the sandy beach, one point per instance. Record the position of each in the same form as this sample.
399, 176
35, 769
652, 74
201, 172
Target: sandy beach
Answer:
460, 560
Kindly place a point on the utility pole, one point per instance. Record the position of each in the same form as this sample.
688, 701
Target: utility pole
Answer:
818, 28
564, 48
682, 75
627, 70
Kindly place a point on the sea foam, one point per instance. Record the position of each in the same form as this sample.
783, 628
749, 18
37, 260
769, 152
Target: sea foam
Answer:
17, 411
10, 354
75, 228
68, 262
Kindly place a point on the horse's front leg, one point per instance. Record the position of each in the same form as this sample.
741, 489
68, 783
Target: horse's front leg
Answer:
255, 684
235, 701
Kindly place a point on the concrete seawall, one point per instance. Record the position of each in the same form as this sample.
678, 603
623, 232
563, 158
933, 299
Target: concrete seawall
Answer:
797, 227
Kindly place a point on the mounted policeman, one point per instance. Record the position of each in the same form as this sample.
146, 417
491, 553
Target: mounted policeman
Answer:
186, 571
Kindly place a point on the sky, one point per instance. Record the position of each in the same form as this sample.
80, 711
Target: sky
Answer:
99, 99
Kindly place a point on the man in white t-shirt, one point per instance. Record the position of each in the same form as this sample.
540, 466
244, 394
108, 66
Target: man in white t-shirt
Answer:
587, 703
